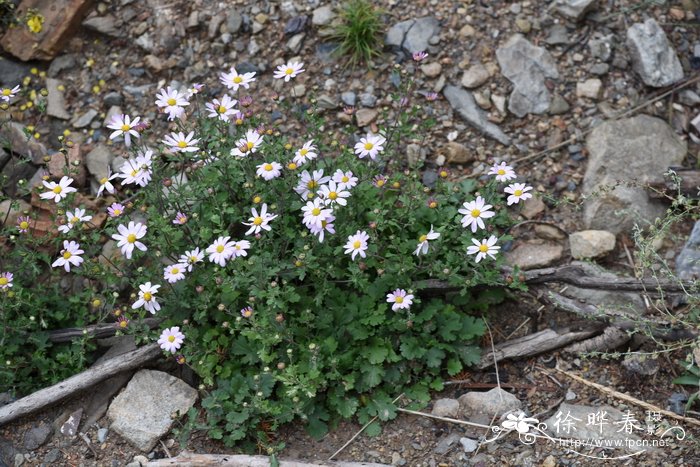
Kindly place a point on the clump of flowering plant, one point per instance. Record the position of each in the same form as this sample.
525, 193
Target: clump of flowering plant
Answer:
288, 270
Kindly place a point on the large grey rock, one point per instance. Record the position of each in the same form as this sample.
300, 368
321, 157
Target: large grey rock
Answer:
688, 260
495, 402
144, 411
464, 104
37, 436
531, 255
323, 15
526, 66
591, 243
574, 9
653, 58
85, 119
572, 421
103, 24
56, 103
14, 137
445, 408
633, 149
412, 35
11, 72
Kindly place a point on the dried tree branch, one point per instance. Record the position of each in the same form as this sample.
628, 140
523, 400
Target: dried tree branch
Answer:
534, 344
611, 339
56, 393
98, 331
187, 459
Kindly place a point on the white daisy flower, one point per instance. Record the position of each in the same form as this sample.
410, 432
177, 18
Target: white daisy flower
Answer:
222, 109
289, 71
357, 244
345, 180
72, 218
517, 191
191, 257
106, 183
400, 299
123, 125
475, 212
221, 250
422, 248
70, 255
306, 153
178, 142
147, 298
371, 145
269, 170
128, 237
233, 80
483, 248
309, 184
325, 226
171, 339
240, 248
172, 102
174, 272
248, 144
315, 212
502, 172
331, 194
58, 191
259, 222
6, 93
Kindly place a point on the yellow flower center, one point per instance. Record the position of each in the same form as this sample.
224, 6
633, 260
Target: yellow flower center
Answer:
123, 323
315, 211
304, 151
238, 247
174, 271
237, 80
103, 180
172, 101
134, 172
222, 109
312, 184
432, 205
67, 255
131, 238
443, 173
501, 172
57, 189
475, 213
324, 224
182, 144
518, 192
291, 166
171, 338
147, 296
333, 195
268, 167
398, 299
423, 238
4, 281
193, 259
257, 200
483, 248
24, 225
239, 121
345, 179
289, 71
369, 146
74, 220
6, 92
357, 244
126, 127
250, 145
380, 183
220, 249
117, 211
258, 221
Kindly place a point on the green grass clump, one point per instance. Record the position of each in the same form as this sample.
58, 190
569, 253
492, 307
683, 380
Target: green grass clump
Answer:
360, 32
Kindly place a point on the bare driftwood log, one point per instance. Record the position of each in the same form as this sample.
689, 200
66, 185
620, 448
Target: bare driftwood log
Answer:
77, 383
534, 344
98, 331
611, 339
689, 185
208, 460
575, 275
620, 321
